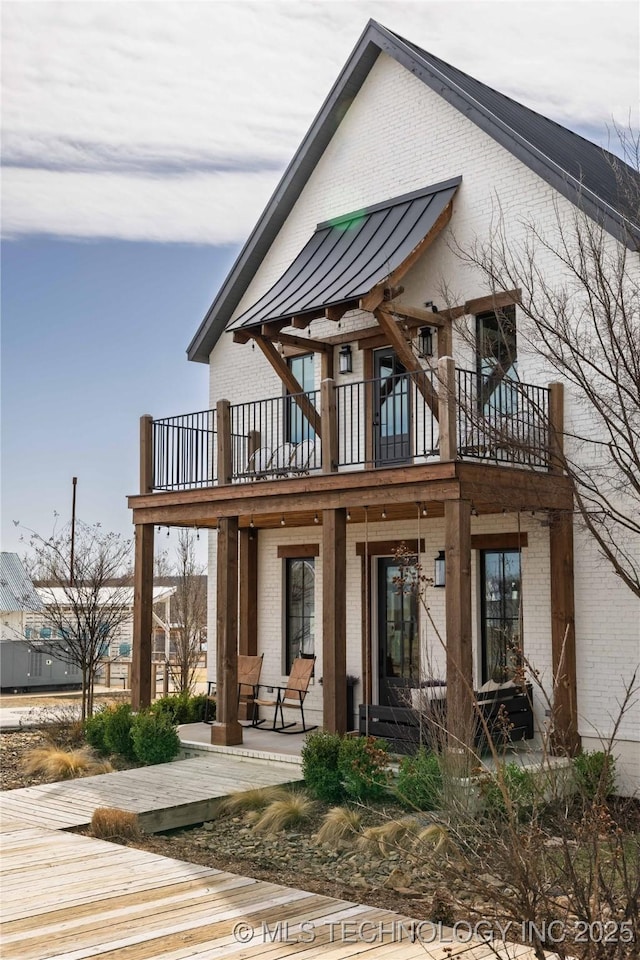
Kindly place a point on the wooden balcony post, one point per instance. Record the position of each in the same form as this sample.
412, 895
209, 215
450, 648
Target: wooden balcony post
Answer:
142, 616
224, 442
146, 453
447, 408
226, 730
329, 426
334, 617
556, 427
565, 738
460, 713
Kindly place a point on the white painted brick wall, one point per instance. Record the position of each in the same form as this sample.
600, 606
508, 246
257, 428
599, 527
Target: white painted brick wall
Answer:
399, 136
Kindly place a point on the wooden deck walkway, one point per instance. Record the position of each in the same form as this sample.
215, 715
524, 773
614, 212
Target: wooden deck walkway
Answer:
67, 897
164, 796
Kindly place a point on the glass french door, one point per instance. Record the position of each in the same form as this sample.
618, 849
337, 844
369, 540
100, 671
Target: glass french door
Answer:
501, 589
398, 635
392, 410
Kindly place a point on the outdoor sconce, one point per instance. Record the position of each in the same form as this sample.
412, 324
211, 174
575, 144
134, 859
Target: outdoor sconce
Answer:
439, 577
346, 365
425, 342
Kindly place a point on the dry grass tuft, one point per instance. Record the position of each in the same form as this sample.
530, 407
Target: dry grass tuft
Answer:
294, 809
340, 828
256, 799
58, 764
110, 823
390, 836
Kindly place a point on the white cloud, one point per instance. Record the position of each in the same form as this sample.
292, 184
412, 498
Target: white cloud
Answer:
171, 121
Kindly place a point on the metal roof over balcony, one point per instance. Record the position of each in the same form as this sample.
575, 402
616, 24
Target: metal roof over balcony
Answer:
350, 255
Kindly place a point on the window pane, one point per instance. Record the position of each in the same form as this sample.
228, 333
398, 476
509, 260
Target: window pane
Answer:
298, 427
497, 360
500, 592
300, 608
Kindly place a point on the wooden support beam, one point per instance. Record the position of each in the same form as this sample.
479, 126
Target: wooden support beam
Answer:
460, 710
329, 426
226, 730
300, 323
224, 467
291, 383
241, 336
335, 313
142, 617
326, 365
146, 453
556, 428
565, 739
334, 618
407, 358
445, 340
447, 409
305, 343
423, 317
248, 615
273, 328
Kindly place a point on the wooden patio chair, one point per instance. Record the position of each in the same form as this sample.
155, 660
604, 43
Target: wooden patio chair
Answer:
291, 697
249, 670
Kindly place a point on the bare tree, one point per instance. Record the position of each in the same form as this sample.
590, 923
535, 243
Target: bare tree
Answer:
84, 606
189, 612
583, 319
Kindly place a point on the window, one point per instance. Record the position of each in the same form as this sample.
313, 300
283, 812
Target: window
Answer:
298, 427
501, 641
497, 360
299, 608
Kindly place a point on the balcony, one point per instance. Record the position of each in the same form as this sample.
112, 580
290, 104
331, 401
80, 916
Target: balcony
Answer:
412, 419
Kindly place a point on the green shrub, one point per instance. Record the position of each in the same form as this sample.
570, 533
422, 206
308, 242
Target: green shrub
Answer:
181, 707
117, 731
154, 738
363, 764
94, 731
513, 782
320, 770
419, 785
595, 773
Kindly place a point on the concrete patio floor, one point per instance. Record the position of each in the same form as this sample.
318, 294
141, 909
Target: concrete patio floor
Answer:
257, 743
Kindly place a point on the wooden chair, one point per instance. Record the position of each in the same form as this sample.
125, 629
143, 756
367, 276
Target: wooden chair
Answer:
292, 696
249, 669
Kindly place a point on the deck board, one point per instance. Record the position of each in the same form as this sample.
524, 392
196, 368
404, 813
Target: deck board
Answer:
165, 796
74, 897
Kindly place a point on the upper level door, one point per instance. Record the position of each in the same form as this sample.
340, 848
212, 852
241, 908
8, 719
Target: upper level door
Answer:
392, 409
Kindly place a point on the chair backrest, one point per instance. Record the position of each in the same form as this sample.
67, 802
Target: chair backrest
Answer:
304, 456
259, 460
249, 669
299, 677
282, 458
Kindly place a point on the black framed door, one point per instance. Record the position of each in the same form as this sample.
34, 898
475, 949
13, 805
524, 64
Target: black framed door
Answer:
501, 584
398, 635
392, 409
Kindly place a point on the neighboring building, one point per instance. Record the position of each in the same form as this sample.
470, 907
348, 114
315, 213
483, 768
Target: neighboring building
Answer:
332, 436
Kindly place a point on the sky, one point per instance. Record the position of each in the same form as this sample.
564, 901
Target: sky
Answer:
140, 143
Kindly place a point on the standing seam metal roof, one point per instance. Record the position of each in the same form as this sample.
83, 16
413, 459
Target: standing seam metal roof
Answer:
347, 256
17, 592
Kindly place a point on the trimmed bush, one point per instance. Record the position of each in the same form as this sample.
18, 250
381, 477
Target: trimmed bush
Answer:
363, 764
320, 770
154, 738
94, 731
419, 785
513, 782
595, 773
181, 707
117, 731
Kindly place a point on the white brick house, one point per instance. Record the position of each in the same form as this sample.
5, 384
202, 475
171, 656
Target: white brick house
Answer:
407, 159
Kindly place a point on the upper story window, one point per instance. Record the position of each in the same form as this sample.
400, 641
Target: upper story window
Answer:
298, 427
497, 359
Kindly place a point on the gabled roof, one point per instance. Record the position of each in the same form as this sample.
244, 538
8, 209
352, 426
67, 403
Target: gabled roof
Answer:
17, 592
347, 256
577, 168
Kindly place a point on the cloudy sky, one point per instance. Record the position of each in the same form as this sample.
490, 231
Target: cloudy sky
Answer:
140, 143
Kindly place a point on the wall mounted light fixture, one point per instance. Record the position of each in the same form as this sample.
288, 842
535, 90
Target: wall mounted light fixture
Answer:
425, 342
439, 571
345, 358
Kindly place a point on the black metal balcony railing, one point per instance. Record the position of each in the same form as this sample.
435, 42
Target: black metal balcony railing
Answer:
184, 451
380, 422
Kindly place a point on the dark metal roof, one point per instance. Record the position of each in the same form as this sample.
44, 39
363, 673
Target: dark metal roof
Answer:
17, 592
347, 256
578, 169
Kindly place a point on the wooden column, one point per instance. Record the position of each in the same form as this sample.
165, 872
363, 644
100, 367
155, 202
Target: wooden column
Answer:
447, 408
556, 428
225, 451
329, 426
248, 610
143, 581
142, 617
460, 713
565, 738
226, 730
334, 616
